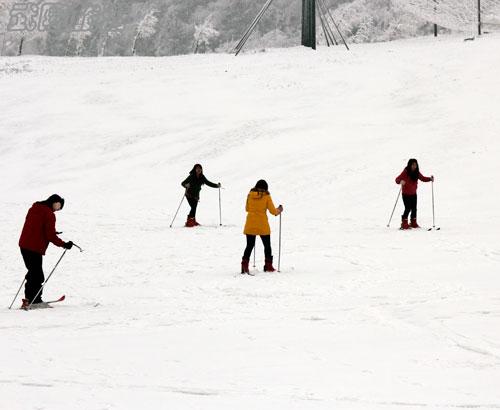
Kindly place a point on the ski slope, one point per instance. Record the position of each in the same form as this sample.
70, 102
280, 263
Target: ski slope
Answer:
361, 316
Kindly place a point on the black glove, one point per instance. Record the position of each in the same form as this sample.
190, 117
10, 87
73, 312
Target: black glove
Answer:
68, 245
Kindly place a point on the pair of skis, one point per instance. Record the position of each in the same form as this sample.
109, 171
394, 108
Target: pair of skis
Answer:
429, 229
254, 274
43, 305
248, 273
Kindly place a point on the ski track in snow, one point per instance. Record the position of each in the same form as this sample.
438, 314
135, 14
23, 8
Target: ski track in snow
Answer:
360, 316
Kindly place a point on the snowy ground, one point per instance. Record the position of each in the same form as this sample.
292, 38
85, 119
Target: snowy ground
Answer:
361, 316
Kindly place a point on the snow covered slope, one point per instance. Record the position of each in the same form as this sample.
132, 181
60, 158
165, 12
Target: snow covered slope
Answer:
361, 316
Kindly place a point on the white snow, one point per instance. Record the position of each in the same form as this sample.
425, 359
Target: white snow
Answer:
360, 317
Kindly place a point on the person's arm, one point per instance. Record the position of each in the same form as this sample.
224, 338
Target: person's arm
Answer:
210, 184
50, 231
401, 178
425, 179
186, 183
272, 209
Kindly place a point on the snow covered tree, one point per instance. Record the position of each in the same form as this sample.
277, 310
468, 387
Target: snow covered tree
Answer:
458, 15
205, 35
378, 20
146, 28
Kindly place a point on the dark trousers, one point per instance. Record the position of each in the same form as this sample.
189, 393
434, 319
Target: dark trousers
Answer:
266, 241
34, 277
193, 203
410, 202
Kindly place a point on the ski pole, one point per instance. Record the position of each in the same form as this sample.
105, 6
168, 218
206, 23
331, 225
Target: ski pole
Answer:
46, 280
175, 216
220, 210
279, 248
433, 215
393, 209
15, 297
255, 246
80, 249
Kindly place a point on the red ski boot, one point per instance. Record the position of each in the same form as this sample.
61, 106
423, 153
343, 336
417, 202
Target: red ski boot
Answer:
26, 304
404, 224
190, 222
414, 223
268, 267
244, 266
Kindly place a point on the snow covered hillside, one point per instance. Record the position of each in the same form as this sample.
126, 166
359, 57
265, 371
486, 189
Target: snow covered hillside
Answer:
361, 316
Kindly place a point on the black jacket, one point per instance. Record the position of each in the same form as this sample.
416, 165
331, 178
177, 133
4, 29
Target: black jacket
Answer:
195, 184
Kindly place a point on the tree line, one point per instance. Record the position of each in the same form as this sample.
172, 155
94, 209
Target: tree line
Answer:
171, 27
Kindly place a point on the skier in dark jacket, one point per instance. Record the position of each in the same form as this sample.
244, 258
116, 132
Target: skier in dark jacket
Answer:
38, 231
408, 179
193, 185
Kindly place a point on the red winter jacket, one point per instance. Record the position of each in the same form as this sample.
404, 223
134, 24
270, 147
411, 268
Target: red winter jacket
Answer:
410, 187
39, 229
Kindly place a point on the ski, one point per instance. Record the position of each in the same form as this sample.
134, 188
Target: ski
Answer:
434, 228
44, 305
57, 300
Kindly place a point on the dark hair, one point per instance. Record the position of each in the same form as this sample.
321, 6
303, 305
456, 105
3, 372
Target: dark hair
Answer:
412, 174
261, 187
51, 200
193, 171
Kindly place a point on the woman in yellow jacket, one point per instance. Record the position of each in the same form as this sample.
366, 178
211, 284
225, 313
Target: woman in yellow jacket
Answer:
259, 201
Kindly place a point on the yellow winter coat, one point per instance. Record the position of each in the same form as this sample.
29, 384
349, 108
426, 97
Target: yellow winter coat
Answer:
257, 205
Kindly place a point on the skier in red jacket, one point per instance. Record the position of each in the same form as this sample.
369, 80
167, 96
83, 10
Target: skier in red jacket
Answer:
39, 229
409, 182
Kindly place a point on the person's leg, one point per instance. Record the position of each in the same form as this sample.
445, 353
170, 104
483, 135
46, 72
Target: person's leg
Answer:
250, 246
413, 214
266, 241
193, 203
407, 201
268, 253
414, 207
247, 253
34, 277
